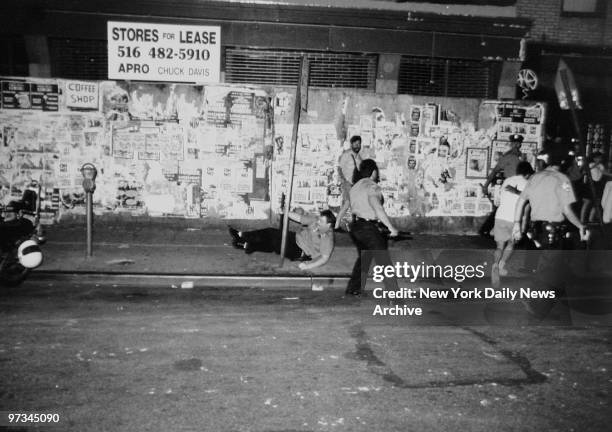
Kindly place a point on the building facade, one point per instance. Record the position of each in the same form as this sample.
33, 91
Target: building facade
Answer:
68, 39
580, 33
411, 77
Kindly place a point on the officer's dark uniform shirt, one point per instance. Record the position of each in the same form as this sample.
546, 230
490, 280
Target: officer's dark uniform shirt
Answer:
548, 192
508, 162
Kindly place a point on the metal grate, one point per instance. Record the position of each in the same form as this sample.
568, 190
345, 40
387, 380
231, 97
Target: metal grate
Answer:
79, 58
283, 68
14, 59
444, 77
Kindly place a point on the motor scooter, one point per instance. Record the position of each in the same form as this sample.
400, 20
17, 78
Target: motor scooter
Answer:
20, 237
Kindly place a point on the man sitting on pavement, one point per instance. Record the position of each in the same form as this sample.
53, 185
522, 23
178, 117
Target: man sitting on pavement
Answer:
314, 243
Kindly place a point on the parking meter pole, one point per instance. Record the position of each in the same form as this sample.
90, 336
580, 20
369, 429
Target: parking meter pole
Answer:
89, 204
89, 173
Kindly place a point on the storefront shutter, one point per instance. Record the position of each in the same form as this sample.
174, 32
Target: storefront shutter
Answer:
79, 58
446, 77
337, 70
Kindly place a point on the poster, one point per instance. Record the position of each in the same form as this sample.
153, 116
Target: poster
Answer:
477, 163
44, 97
16, 95
498, 148
150, 141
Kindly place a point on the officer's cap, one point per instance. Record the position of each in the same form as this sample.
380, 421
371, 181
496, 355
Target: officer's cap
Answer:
516, 138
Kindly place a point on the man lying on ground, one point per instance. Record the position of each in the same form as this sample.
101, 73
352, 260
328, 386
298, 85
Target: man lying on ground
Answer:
314, 242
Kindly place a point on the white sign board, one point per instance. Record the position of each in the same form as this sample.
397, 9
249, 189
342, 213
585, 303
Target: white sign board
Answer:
81, 94
164, 52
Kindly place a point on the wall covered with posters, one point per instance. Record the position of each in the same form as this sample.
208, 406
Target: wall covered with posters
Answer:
160, 150
222, 151
433, 153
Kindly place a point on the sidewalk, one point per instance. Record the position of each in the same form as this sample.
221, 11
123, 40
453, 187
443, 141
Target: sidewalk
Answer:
162, 249
187, 256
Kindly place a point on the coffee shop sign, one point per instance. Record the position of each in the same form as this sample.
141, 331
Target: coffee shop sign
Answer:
81, 94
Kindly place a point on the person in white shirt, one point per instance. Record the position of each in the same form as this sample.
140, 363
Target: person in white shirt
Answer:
504, 218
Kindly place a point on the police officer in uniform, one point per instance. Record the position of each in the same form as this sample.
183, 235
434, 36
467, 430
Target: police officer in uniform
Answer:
550, 195
368, 213
505, 168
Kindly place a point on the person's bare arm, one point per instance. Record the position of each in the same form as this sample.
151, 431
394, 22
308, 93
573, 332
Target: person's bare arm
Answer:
526, 213
512, 189
340, 171
571, 216
341, 174
322, 260
490, 178
304, 219
517, 228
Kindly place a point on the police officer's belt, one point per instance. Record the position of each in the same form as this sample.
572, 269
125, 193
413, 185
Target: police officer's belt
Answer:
360, 219
539, 224
551, 235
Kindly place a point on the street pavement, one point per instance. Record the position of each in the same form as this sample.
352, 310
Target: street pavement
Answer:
146, 358
168, 328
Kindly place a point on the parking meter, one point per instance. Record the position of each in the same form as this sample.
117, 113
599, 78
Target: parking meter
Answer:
89, 173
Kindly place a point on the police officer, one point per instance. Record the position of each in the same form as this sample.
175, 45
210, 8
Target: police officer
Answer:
504, 168
550, 195
368, 213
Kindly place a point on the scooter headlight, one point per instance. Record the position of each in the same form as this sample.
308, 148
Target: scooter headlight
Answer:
29, 254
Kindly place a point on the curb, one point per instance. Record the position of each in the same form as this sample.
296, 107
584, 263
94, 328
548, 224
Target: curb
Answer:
191, 281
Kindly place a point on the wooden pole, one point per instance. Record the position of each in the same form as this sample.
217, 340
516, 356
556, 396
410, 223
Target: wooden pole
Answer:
572, 107
294, 135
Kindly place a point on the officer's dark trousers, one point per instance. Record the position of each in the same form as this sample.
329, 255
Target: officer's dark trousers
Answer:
371, 244
553, 270
269, 240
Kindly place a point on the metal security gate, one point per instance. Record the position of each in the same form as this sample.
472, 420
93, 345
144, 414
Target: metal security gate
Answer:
14, 59
79, 58
268, 67
447, 77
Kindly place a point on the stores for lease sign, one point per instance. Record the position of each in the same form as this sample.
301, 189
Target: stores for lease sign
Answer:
164, 52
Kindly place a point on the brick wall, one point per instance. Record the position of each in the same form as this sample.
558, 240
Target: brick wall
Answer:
550, 26
608, 26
